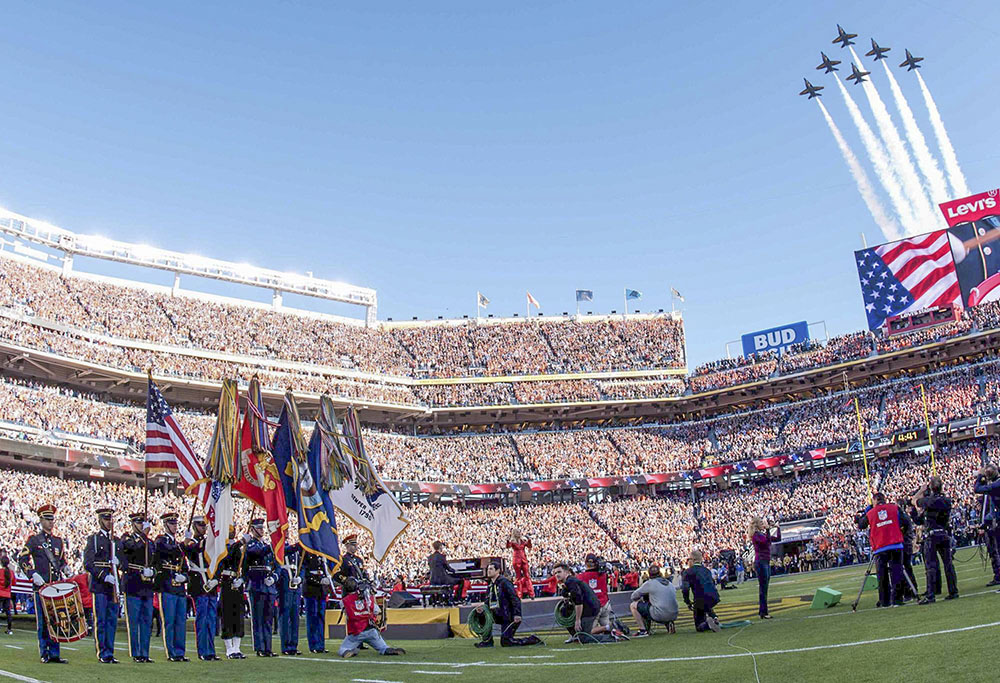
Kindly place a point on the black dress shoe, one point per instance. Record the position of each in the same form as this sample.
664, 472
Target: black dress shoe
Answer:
147, 660
319, 652
55, 660
270, 654
239, 655
259, 653
138, 660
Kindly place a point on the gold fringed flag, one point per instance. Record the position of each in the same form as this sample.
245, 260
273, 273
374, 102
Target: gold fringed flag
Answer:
224, 453
335, 463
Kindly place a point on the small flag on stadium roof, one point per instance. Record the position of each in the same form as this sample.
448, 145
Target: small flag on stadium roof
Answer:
677, 295
633, 294
584, 295
482, 301
532, 301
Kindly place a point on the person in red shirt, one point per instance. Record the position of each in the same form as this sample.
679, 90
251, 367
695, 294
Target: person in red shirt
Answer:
6, 584
83, 581
522, 577
362, 615
596, 577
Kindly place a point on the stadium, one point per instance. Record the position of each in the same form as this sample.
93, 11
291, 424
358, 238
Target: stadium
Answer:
590, 433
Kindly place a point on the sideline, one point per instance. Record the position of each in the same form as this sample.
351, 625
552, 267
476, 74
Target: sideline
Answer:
18, 677
652, 660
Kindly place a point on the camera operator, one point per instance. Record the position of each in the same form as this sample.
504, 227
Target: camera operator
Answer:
362, 615
988, 484
908, 589
935, 508
503, 603
886, 523
655, 600
700, 595
584, 601
596, 577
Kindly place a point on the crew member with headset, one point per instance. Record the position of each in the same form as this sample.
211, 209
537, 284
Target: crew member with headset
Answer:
505, 605
289, 596
100, 559
317, 586
261, 570
886, 523
173, 592
230, 572
988, 485
43, 559
935, 508
139, 556
203, 591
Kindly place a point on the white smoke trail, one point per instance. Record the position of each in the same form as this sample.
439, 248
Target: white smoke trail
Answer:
885, 221
925, 160
955, 175
900, 157
880, 160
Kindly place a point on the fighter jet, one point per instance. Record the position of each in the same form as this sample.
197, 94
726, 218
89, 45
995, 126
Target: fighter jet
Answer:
877, 52
857, 75
911, 62
843, 37
828, 64
812, 90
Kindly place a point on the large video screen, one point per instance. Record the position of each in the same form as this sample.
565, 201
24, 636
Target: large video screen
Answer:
974, 235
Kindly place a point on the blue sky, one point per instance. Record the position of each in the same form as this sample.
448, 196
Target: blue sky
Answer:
430, 150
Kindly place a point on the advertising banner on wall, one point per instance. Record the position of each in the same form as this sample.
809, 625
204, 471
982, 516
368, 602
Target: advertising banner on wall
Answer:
973, 233
776, 338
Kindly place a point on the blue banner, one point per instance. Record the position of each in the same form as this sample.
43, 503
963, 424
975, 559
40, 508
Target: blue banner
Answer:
776, 338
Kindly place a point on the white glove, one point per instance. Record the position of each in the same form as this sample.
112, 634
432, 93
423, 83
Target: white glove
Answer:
37, 579
188, 535
180, 578
146, 526
294, 583
325, 581
114, 560
148, 572
238, 583
247, 538
269, 581
211, 584
109, 578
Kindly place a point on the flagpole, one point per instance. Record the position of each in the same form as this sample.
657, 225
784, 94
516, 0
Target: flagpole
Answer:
927, 423
625, 299
145, 463
527, 306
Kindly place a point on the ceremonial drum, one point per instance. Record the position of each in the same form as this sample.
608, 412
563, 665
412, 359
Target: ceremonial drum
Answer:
64, 614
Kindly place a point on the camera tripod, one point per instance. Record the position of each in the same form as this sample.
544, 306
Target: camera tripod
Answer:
868, 572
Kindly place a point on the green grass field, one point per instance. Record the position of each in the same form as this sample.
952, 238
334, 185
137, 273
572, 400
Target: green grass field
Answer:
947, 641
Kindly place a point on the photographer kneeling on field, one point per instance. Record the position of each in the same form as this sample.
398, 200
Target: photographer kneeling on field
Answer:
655, 600
583, 599
362, 615
505, 606
596, 576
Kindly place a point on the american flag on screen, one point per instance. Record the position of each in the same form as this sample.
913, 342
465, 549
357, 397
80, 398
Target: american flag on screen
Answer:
908, 275
167, 449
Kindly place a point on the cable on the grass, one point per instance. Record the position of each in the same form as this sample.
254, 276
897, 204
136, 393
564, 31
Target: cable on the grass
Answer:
481, 622
565, 614
729, 642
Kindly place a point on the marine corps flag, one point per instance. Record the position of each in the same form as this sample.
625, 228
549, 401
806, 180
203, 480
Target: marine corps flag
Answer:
299, 469
258, 477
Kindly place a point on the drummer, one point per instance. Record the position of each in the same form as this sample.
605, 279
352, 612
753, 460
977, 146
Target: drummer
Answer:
100, 558
43, 560
139, 554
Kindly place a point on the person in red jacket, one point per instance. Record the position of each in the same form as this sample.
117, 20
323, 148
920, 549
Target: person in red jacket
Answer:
362, 615
83, 581
596, 577
6, 584
519, 544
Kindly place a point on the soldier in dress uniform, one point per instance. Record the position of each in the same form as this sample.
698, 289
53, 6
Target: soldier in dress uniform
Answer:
173, 593
100, 559
204, 591
289, 596
230, 572
318, 584
350, 564
43, 560
261, 570
139, 558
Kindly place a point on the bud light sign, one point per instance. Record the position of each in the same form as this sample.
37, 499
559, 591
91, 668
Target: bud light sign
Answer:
776, 338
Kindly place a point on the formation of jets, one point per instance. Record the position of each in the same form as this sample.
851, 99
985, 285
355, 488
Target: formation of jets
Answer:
857, 75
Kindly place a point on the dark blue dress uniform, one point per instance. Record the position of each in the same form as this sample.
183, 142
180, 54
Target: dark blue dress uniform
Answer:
139, 560
44, 555
261, 570
289, 597
991, 489
936, 511
205, 594
317, 585
173, 592
100, 559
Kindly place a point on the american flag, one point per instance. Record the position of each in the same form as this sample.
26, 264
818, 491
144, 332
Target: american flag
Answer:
167, 449
908, 275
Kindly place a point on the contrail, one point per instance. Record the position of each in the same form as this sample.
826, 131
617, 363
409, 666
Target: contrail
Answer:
925, 160
900, 158
885, 221
880, 160
955, 175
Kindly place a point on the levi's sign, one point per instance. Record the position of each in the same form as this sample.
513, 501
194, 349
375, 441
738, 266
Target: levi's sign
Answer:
971, 208
775, 338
